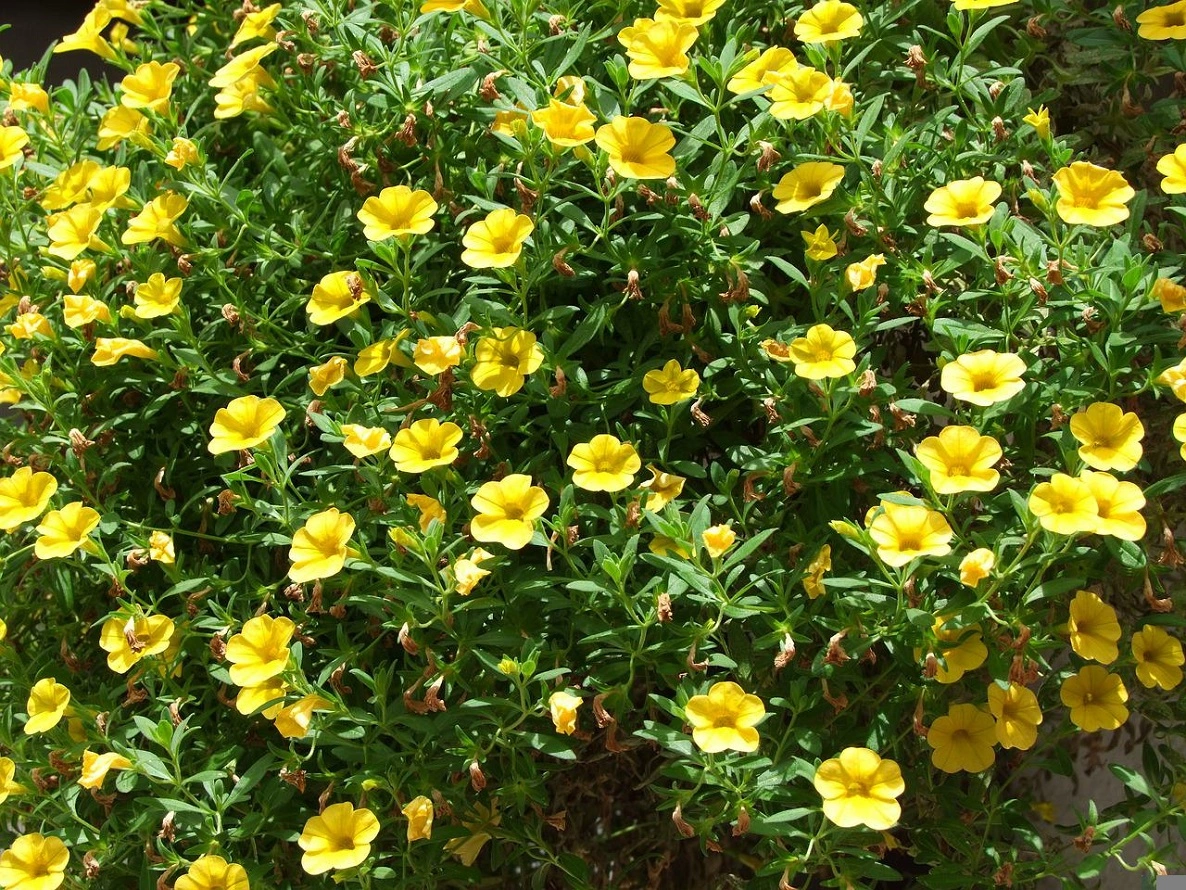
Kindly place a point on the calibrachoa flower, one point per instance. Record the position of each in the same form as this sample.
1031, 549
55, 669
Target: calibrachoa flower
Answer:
336, 296
292, 721
637, 148
960, 459
64, 531
1091, 195
1118, 505
149, 86
182, 154
1040, 119
976, 566
34, 862
7, 773
1093, 628
259, 651
24, 496
1016, 711
657, 49
981, 4
503, 360
662, 488
436, 355
1173, 166
800, 93
28, 97
1109, 437
256, 25
963, 202
860, 788
466, 849
339, 838
604, 463
1163, 22
1064, 505
823, 353
963, 739
48, 700
827, 21
1175, 378
324, 377
468, 571
694, 12
507, 511
718, 539
813, 580
473, 7
563, 706
363, 441
419, 813
95, 768
80, 310
126, 641
430, 508
565, 124
160, 548
158, 296
1096, 698
1158, 656
158, 219
12, 143
269, 693
1179, 433
73, 231
425, 444
724, 720
213, 872
821, 245
1170, 294
376, 357
120, 123
983, 378
320, 548
904, 532
671, 384
863, 274
496, 241
397, 211
960, 649
763, 72
244, 423
808, 184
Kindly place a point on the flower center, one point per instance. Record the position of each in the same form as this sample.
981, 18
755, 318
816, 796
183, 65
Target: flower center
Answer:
983, 381
907, 543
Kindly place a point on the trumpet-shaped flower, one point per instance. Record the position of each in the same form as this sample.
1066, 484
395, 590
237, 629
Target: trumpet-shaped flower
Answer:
960, 459
694, 12
565, 125
34, 862
1118, 506
1163, 22
95, 768
1093, 628
109, 350
563, 707
244, 423
126, 641
496, 241
963, 739
468, 571
375, 358
292, 721
976, 566
724, 720
1158, 656
960, 649
324, 377
763, 72
183, 153
1172, 167
212, 872
813, 579
963, 202
904, 532
983, 378
24, 496
1170, 294
604, 464
259, 651
363, 441
397, 211
1109, 437
12, 143
821, 245
657, 49
799, 93
823, 353
637, 149
504, 359
860, 788
158, 219
671, 384
158, 296
149, 86
436, 355
48, 700
339, 838
1096, 699
64, 531
429, 508
662, 488
1015, 708
1064, 505
828, 21
419, 813
425, 444
717, 539
120, 123
336, 296
507, 511
320, 548
1091, 195
255, 26
808, 184
75, 230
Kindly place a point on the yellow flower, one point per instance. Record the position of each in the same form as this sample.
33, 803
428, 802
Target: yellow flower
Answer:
1040, 119
1118, 505
496, 241
1096, 699
963, 202
268, 695
960, 459
73, 231
109, 350
657, 49
12, 142
805, 186
984, 377
1064, 505
863, 274
1093, 628
158, 219
662, 488
24, 496
158, 296
981, 4
827, 21
466, 849
7, 786
1158, 656
339, 838
363, 441
1109, 437
81, 272
1091, 195
813, 581
1163, 22
717, 539
671, 384
96, 766
435, 355
397, 211
243, 95
376, 357
637, 148
337, 295
823, 353
604, 464
1173, 168
468, 571
88, 35
293, 721
1016, 711
507, 510
320, 548
324, 377
840, 99
563, 705
503, 360
34, 862
241, 66
182, 154
259, 651
662, 545
1171, 295
64, 531
800, 93
959, 650
570, 89
565, 124
149, 86
820, 244
963, 739
30, 325
48, 700
70, 186
694, 12
510, 122
425, 444
763, 72
254, 25
244, 423
26, 96
126, 641
904, 532
473, 7
120, 123
108, 187
419, 814
1175, 379
976, 566
429, 509
860, 788
213, 873
1179, 432
724, 720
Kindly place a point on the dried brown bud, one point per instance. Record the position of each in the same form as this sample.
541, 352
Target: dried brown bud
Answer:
699, 415
477, 778
168, 832
663, 608
407, 133
998, 129
365, 64
836, 653
79, 443
698, 209
218, 646
902, 419
756, 206
1034, 28
632, 289
1040, 289
769, 156
344, 120
677, 816
1152, 243
855, 228
405, 640
488, 91
90, 866
1054, 272
786, 653
1121, 19
737, 282
867, 384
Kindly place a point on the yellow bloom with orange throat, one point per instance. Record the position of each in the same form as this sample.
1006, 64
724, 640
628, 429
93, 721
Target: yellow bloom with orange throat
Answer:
259, 651
657, 48
563, 707
425, 444
320, 548
419, 813
604, 463
984, 377
336, 296
724, 719
244, 423
396, 212
507, 511
1109, 437
670, 384
959, 459
24, 496
129, 640
504, 358
339, 838
496, 241
34, 862
637, 149
1091, 195
859, 787
904, 532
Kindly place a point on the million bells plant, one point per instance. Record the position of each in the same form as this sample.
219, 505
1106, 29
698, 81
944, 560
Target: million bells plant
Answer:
584, 444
